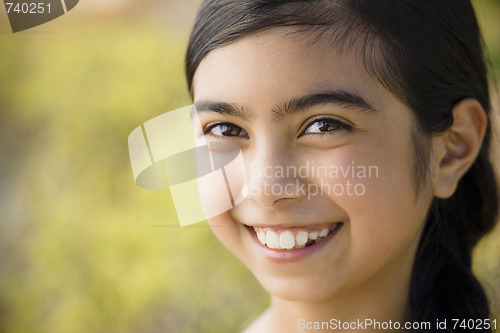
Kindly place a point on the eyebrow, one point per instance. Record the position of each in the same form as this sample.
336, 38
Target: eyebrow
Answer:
295, 105
340, 97
229, 109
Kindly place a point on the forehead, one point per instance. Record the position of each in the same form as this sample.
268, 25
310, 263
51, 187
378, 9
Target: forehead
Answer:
278, 65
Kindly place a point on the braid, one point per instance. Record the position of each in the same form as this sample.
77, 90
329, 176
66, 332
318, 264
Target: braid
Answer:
442, 284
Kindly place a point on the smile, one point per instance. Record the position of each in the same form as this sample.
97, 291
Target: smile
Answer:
293, 238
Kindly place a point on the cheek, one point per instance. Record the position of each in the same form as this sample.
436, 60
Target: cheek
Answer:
229, 234
385, 217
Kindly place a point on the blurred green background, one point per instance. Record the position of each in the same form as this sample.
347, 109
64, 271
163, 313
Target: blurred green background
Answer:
82, 248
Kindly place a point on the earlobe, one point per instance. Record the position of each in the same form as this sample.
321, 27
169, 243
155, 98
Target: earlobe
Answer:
461, 144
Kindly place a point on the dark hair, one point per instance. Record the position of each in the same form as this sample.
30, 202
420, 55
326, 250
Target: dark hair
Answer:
429, 54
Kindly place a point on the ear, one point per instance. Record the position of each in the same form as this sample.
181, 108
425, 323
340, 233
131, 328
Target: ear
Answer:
459, 146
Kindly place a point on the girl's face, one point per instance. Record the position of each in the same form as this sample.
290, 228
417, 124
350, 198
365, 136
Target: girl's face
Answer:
327, 150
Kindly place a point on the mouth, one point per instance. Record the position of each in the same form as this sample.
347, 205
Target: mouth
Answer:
289, 239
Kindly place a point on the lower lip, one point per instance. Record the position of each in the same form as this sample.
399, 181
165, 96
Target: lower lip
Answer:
291, 255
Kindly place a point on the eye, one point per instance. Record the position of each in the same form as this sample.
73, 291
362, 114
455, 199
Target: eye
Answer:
326, 125
225, 129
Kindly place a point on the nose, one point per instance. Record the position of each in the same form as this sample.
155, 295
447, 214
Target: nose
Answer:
273, 175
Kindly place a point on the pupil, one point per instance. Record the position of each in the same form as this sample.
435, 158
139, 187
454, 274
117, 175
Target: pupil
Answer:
327, 127
230, 130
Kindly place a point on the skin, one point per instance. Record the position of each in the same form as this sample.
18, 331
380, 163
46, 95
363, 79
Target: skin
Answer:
364, 270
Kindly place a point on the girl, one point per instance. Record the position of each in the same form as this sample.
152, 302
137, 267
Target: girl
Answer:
384, 107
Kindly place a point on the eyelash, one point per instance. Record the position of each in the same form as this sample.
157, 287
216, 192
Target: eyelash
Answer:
212, 126
340, 126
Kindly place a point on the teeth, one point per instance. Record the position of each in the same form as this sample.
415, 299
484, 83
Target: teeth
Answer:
313, 235
272, 240
285, 239
302, 238
261, 235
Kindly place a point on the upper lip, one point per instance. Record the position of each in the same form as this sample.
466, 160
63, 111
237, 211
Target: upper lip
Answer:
293, 225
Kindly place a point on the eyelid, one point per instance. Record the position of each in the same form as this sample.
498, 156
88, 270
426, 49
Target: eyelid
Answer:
312, 120
212, 125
